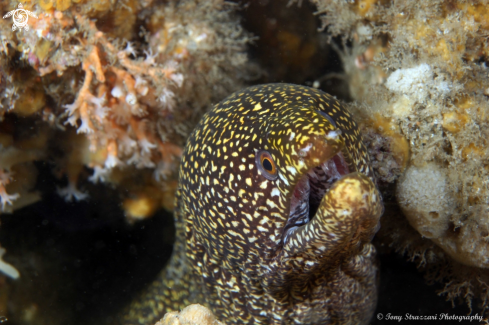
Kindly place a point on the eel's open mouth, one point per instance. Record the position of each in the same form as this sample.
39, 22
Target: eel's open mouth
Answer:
310, 190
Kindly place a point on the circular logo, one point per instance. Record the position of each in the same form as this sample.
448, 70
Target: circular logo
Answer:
380, 316
20, 17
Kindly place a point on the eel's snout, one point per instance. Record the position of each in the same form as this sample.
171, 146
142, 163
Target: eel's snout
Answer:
347, 216
336, 240
311, 189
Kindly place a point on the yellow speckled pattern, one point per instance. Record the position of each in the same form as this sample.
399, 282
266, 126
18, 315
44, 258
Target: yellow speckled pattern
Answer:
230, 253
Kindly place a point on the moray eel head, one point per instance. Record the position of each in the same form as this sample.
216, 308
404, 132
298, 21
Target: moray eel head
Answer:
280, 205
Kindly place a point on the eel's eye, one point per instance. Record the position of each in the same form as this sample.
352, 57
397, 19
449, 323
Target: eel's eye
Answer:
266, 165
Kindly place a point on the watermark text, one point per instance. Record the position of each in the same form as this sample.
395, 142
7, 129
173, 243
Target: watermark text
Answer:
441, 316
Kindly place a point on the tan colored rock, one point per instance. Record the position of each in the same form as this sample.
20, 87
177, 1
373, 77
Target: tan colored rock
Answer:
423, 195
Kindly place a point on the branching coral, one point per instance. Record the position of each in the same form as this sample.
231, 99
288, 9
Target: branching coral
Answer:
116, 118
420, 68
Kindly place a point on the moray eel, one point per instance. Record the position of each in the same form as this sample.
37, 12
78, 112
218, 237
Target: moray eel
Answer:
275, 212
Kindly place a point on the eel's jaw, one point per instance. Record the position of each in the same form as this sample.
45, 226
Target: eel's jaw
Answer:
347, 216
311, 189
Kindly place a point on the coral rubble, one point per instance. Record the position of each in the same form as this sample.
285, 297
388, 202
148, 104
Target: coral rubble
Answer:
420, 70
190, 315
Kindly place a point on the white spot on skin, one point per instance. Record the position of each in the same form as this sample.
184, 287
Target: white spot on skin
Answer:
291, 169
262, 229
271, 204
301, 163
283, 179
292, 136
307, 148
275, 192
333, 135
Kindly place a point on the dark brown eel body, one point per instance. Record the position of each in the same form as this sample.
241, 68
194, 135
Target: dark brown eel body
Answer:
275, 211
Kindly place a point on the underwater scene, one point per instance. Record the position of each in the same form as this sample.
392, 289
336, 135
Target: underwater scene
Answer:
198, 162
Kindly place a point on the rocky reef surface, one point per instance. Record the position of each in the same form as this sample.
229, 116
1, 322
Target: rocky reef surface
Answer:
418, 74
